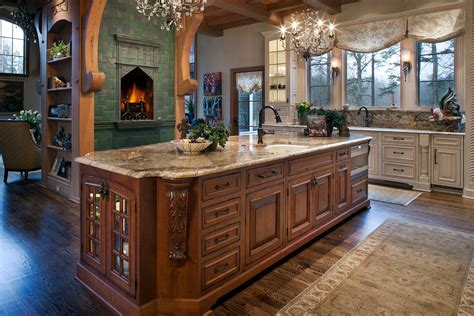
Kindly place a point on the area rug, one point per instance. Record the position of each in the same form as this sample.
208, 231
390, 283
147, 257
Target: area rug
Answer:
402, 268
392, 195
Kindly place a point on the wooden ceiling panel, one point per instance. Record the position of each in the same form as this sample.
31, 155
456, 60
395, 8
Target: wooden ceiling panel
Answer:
220, 15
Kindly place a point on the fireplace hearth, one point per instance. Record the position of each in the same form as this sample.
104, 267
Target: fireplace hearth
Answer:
136, 102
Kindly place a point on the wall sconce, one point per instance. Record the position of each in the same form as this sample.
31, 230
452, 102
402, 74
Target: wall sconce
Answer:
406, 63
334, 70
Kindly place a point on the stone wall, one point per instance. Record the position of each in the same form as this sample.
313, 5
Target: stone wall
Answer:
121, 17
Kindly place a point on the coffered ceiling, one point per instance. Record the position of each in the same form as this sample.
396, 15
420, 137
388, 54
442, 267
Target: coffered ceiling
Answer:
220, 15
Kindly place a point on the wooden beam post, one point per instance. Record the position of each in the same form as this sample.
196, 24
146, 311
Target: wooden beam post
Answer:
256, 12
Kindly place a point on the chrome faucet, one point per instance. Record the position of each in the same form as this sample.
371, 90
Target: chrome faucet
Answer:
262, 132
367, 120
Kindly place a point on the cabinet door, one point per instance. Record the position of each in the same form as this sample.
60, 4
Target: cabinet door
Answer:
447, 167
374, 160
343, 187
121, 248
93, 223
299, 206
264, 212
322, 194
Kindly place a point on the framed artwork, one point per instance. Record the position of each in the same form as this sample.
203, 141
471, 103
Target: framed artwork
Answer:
317, 126
11, 96
212, 83
212, 108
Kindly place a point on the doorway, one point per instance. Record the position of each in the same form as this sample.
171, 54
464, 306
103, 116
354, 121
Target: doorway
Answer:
248, 97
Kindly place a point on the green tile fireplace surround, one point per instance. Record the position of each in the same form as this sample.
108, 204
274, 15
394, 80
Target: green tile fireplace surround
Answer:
127, 40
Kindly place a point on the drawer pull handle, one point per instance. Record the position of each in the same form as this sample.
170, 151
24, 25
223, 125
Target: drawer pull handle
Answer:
221, 268
314, 182
399, 138
221, 239
399, 170
342, 167
103, 190
221, 186
267, 175
399, 153
342, 154
221, 212
360, 190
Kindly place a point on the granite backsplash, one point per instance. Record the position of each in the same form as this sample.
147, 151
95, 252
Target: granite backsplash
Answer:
401, 119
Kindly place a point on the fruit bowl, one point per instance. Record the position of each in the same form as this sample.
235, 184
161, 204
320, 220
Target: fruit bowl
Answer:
187, 147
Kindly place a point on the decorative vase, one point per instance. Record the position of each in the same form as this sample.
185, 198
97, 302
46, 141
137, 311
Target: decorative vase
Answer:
303, 117
330, 129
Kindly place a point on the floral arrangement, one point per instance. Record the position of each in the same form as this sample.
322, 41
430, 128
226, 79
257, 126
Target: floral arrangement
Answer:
59, 50
303, 106
34, 122
201, 130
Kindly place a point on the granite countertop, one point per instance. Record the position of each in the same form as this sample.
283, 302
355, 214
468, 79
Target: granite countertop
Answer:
371, 129
162, 160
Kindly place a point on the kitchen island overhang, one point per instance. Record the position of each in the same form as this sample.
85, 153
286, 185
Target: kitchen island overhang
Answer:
167, 233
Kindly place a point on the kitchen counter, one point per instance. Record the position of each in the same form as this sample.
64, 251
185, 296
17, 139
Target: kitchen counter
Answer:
300, 128
162, 160
164, 233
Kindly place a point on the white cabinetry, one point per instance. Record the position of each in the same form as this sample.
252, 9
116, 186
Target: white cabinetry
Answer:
447, 161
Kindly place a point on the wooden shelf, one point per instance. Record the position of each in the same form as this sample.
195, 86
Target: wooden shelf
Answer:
58, 178
58, 148
60, 89
61, 119
58, 60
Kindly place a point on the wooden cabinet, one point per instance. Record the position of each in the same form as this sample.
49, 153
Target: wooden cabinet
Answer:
265, 222
447, 166
322, 195
300, 206
374, 159
343, 187
108, 210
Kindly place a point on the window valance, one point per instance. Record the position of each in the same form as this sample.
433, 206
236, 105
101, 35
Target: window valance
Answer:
249, 82
374, 36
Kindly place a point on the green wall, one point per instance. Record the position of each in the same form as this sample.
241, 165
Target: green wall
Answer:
121, 17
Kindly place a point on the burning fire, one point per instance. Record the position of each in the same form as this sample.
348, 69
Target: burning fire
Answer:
135, 94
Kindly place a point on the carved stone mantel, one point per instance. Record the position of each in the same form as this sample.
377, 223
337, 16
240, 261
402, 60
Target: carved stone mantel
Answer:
177, 195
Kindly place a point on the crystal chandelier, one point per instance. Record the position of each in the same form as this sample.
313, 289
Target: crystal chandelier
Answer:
171, 11
25, 21
310, 34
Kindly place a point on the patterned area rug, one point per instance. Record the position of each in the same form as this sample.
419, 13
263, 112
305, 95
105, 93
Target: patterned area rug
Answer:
392, 195
402, 268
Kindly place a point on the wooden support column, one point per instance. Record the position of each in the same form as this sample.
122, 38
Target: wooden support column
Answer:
469, 100
183, 83
424, 183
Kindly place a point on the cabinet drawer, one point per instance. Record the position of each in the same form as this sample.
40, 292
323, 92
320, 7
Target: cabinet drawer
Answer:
264, 174
447, 141
399, 171
218, 269
343, 154
359, 190
402, 154
311, 162
401, 139
219, 239
220, 186
216, 214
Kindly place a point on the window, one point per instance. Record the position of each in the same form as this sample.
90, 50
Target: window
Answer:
192, 60
435, 71
12, 49
373, 79
320, 80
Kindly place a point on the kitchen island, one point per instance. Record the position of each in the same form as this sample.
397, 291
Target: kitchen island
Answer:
166, 233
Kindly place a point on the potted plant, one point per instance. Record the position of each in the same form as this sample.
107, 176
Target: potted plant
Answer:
333, 119
216, 132
59, 50
303, 108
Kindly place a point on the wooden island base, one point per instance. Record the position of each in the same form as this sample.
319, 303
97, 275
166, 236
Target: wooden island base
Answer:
157, 246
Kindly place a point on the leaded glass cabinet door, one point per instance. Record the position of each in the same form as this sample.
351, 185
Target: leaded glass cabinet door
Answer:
120, 253
93, 229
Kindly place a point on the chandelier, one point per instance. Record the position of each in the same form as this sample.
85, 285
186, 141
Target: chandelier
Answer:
310, 34
171, 11
25, 21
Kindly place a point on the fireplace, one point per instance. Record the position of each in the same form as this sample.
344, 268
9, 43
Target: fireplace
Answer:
136, 101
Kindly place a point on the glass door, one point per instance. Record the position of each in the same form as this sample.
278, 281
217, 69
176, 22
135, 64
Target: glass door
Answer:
248, 100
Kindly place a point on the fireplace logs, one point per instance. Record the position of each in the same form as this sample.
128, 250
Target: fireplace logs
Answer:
136, 96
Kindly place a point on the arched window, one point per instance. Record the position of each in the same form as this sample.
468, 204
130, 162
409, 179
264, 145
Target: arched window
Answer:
12, 49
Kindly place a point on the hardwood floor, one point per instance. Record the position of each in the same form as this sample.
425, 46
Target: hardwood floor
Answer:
39, 248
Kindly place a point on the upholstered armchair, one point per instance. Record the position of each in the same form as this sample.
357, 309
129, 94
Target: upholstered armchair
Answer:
19, 150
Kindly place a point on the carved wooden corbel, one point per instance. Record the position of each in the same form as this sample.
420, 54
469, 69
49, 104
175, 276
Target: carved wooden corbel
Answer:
92, 79
177, 195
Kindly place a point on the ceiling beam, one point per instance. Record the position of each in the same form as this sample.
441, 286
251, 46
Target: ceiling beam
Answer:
256, 12
208, 30
229, 18
328, 6
230, 25
285, 5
